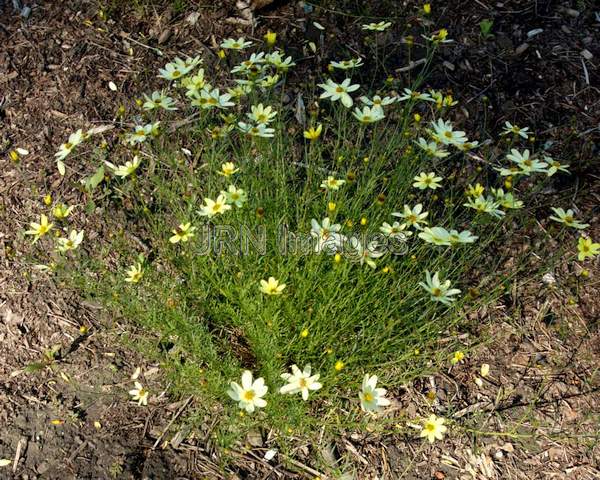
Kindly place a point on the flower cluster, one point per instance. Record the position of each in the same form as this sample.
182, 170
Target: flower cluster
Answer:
63, 244
250, 392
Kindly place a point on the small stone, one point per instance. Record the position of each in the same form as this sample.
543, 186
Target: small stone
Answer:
449, 66
585, 53
164, 36
549, 279
254, 438
179, 437
192, 18
42, 468
270, 454
571, 12
521, 48
534, 32
508, 447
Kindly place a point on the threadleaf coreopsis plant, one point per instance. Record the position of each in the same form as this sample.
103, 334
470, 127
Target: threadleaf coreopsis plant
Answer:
252, 233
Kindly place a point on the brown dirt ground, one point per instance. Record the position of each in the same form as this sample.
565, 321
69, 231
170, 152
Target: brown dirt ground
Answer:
541, 402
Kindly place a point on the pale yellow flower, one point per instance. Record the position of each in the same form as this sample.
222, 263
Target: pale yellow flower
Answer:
228, 169
332, 183
457, 357
139, 394
587, 248
313, 133
433, 428
271, 287
300, 381
249, 394
127, 169
215, 207
270, 37
60, 212
71, 242
427, 180
182, 233
135, 273
38, 230
372, 398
